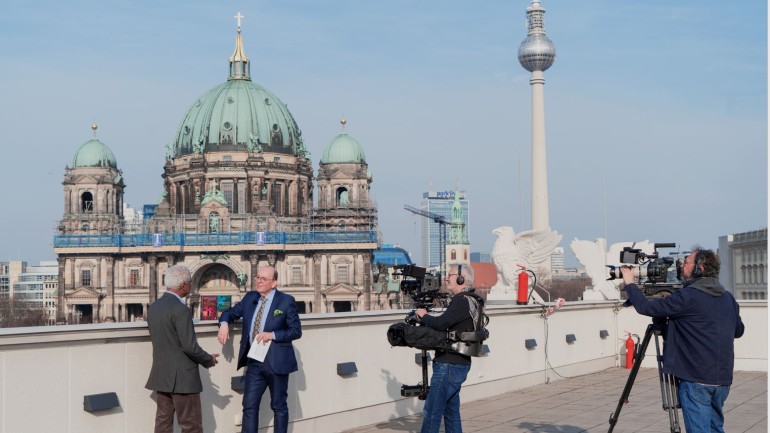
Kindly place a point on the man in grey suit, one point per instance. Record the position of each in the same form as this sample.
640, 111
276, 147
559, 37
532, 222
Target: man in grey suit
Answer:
175, 357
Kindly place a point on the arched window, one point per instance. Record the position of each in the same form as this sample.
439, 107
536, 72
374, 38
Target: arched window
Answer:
86, 202
743, 275
343, 198
454, 255
465, 255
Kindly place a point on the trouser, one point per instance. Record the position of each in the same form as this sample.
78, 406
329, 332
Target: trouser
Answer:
260, 377
187, 408
702, 406
444, 398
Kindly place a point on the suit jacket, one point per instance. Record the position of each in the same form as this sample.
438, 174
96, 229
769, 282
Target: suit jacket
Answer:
282, 320
175, 350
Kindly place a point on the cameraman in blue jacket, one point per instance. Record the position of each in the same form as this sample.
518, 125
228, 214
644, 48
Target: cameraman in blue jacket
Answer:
703, 322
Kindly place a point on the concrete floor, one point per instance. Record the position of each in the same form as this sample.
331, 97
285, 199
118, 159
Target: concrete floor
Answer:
585, 403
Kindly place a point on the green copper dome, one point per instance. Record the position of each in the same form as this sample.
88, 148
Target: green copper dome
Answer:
94, 153
238, 115
343, 148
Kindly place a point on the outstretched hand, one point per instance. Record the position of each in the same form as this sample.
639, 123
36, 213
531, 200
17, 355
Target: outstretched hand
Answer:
224, 333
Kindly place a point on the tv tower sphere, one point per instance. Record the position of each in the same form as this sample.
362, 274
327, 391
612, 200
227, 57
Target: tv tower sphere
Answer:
537, 52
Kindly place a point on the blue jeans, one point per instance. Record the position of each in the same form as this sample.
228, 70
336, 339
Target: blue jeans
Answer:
702, 406
444, 398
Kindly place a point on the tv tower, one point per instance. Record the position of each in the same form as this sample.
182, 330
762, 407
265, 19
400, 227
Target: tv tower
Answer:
536, 54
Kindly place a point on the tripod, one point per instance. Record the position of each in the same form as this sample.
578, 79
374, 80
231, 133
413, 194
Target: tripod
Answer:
668, 392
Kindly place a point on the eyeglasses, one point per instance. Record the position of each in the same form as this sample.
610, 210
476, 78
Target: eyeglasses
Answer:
263, 279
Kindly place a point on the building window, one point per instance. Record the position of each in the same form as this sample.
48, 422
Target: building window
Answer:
133, 277
85, 278
342, 274
342, 306
296, 275
743, 275
227, 192
453, 255
87, 202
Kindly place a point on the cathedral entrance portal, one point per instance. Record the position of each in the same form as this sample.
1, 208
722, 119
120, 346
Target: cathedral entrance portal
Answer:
82, 313
216, 287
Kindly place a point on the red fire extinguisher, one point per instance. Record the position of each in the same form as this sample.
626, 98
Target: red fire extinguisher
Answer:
629, 351
523, 288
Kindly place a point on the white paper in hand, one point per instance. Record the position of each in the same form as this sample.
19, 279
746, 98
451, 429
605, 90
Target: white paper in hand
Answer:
258, 351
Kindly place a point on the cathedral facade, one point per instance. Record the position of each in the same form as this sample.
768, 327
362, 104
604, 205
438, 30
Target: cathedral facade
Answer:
238, 194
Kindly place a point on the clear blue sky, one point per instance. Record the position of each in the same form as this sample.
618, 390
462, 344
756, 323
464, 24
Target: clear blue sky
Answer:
656, 111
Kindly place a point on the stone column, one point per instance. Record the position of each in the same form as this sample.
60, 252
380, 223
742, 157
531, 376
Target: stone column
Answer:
97, 278
153, 283
317, 299
61, 317
367, 277
110, 262
235, 196
72, 274
254, 262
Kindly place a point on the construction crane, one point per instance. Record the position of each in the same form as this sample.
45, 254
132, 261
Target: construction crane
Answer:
442, 223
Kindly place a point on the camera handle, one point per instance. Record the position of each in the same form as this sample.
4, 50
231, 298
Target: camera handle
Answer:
668, 392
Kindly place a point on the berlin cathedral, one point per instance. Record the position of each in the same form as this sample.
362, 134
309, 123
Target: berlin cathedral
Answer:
239, 191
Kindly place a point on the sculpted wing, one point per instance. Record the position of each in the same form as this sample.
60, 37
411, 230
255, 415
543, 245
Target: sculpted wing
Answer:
592, 256
505, 256
536, 246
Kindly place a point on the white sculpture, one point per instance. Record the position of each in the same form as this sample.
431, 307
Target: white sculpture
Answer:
529, 249
593, 257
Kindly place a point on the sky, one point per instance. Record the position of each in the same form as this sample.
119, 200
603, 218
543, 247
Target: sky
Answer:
655, 112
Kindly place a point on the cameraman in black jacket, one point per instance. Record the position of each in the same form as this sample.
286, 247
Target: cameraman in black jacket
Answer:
450, 369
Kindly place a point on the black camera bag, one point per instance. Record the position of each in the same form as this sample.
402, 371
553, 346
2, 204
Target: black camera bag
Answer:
419, 337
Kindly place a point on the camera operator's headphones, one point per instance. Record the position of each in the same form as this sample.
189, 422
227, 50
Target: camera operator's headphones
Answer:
460, 279
696, 272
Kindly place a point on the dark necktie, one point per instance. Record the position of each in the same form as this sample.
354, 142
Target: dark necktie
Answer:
256, 330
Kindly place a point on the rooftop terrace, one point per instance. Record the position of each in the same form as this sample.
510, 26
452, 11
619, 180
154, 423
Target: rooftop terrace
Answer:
584, 404
50, 371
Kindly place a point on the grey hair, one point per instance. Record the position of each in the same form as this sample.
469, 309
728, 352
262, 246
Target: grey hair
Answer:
466, 272
175, 276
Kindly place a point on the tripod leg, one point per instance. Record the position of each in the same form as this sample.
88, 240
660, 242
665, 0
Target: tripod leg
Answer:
638, 357
668, 392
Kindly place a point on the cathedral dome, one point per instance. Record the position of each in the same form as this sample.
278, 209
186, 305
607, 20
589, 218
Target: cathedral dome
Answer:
343, 148
94, 153
238, 115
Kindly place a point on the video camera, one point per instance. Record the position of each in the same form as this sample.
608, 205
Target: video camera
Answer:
422, 287
654, 278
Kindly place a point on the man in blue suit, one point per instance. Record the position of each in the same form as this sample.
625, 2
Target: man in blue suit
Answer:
269, 317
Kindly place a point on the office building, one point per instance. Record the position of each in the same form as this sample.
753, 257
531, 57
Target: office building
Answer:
440, 203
